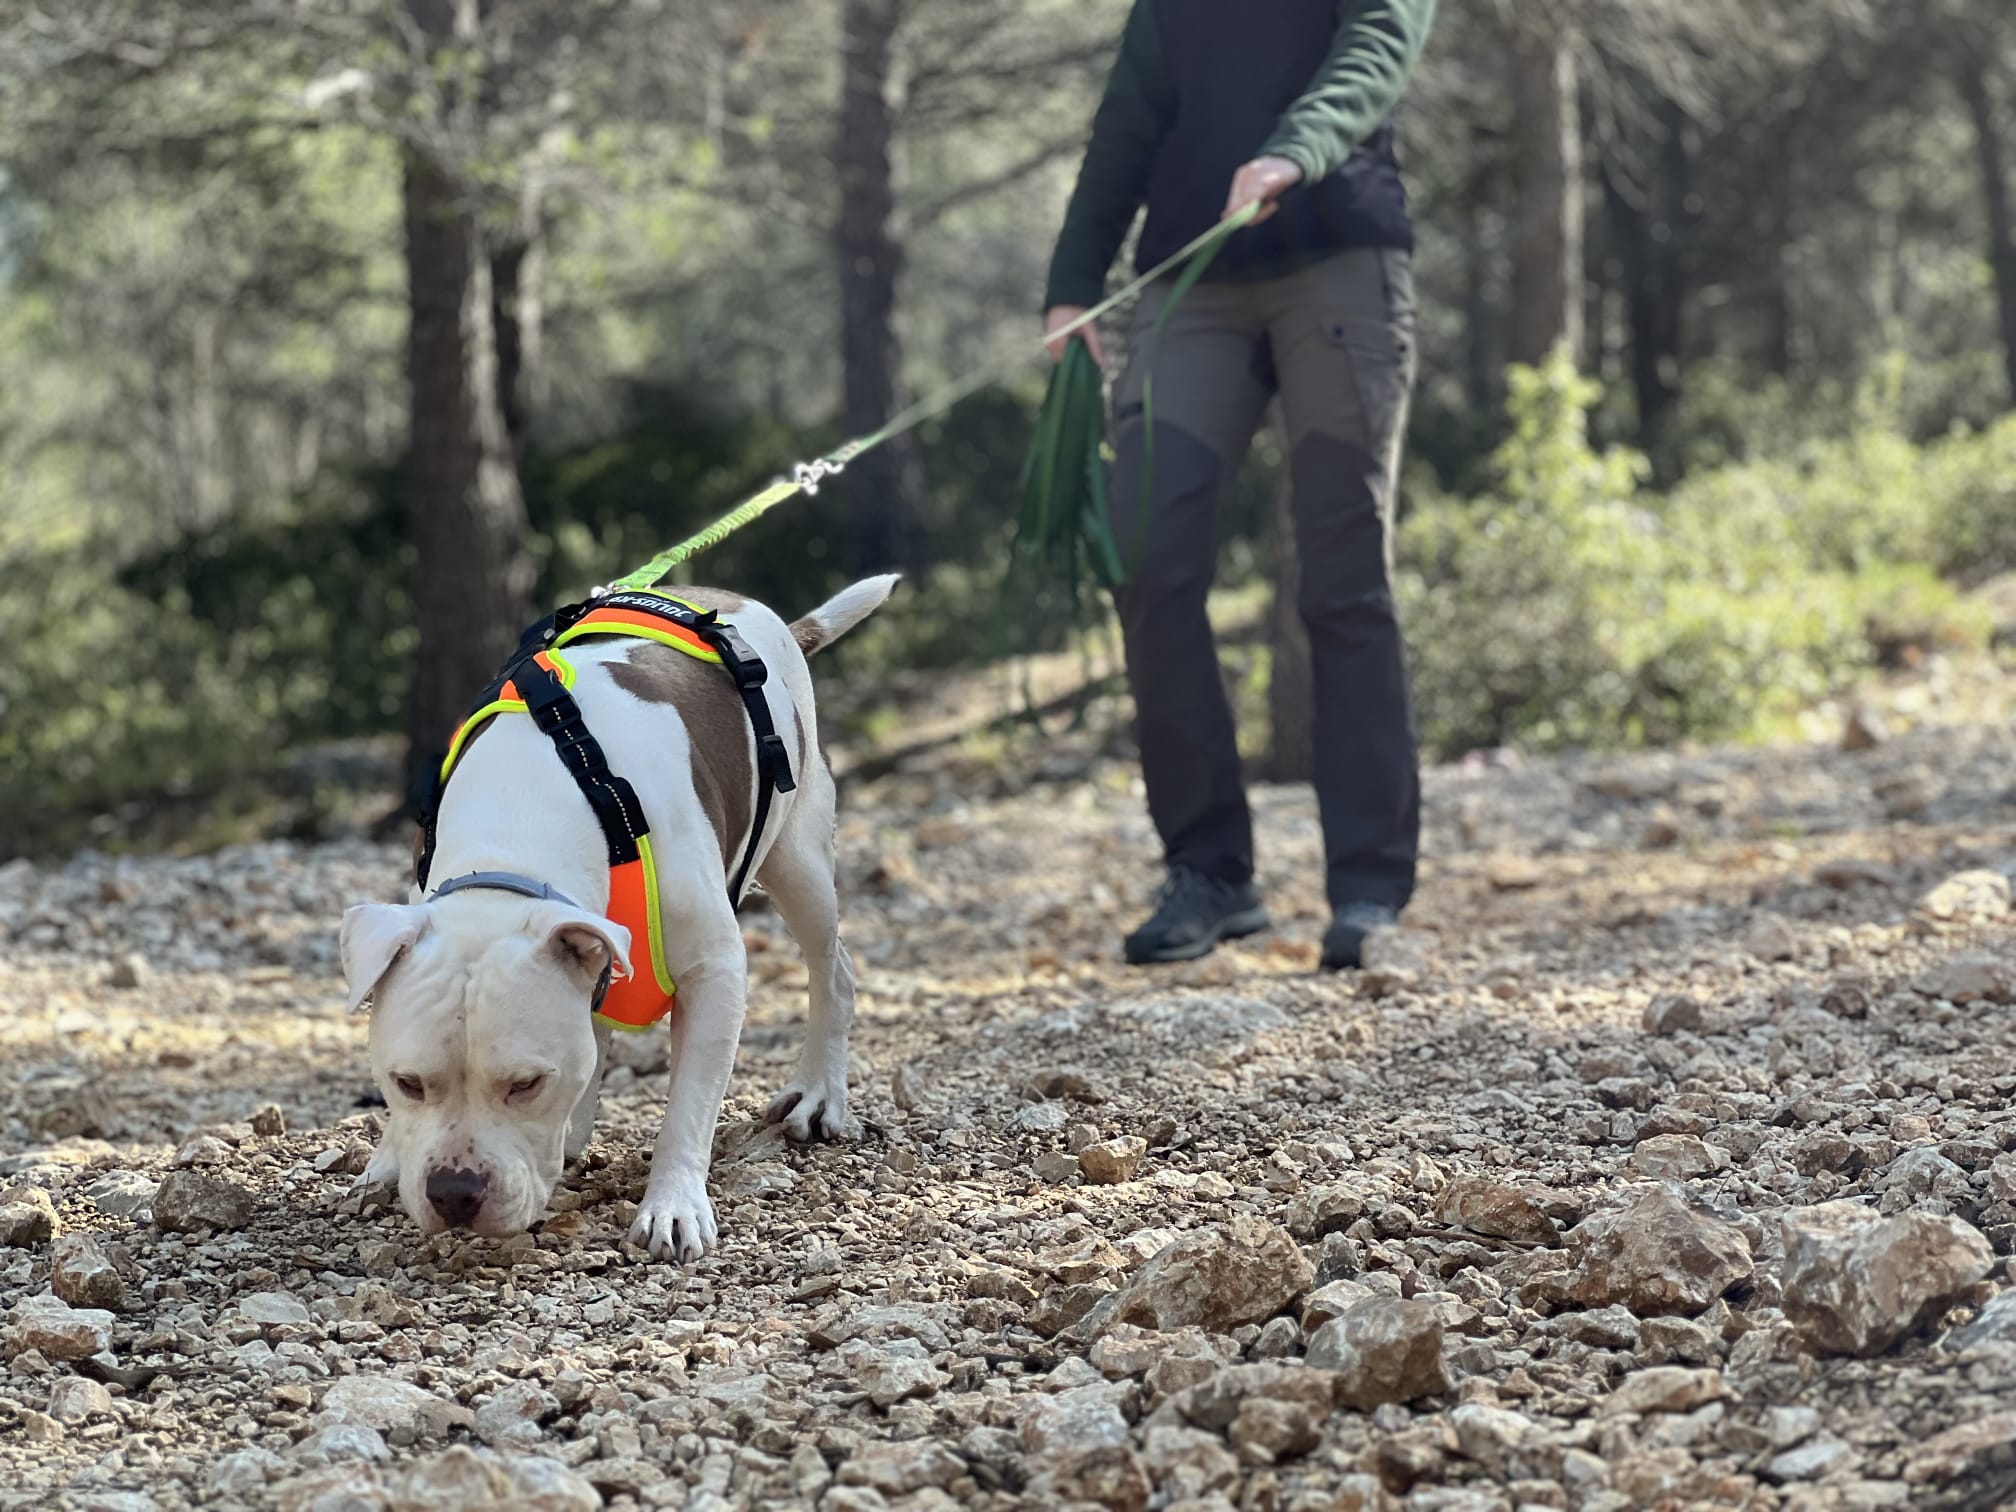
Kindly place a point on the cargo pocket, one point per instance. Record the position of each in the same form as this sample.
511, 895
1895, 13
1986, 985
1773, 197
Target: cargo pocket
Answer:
1369, 320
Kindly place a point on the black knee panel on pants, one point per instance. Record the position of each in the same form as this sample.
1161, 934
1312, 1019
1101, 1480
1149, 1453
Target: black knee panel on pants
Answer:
1341, 525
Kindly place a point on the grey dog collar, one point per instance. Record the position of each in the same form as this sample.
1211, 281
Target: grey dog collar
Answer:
497, 881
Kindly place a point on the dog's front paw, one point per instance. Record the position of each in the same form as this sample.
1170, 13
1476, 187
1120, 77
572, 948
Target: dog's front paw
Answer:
383, 1169
812, 1108
675, 1221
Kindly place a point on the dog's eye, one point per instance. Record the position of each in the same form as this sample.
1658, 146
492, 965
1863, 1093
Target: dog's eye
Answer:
526, 1090
409, 1086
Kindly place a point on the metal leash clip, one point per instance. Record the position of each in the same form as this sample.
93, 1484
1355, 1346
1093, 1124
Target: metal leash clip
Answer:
807, 476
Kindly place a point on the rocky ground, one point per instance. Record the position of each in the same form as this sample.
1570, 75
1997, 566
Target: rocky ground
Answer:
1666, 1160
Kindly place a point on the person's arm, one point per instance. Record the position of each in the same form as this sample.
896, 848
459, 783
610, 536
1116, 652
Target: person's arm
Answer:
1114, 177
1378, 42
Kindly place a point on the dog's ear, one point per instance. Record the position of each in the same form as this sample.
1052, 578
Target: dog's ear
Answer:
374, 937
584, 940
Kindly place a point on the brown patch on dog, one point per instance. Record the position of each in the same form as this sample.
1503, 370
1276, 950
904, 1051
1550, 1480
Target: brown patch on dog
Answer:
810, 635
724, 772
720, 600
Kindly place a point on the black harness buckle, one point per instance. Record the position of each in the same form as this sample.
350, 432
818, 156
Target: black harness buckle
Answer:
776, 762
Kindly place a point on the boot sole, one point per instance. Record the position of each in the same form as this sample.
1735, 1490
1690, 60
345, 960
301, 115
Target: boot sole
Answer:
1232, 927
1340, 960
1347, 958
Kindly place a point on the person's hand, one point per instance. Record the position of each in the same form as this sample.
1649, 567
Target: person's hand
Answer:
1060, 316
1264, 180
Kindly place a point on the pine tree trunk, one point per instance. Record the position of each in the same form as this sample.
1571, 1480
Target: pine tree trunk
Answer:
1781, 313
1649, 226
1291, 684
1480, 370
1994, 201
1676, 253
1547, 221
465, 514
886, 485
517, 287
507, 264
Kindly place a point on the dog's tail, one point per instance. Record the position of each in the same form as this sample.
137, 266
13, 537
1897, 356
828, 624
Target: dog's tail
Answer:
841, 613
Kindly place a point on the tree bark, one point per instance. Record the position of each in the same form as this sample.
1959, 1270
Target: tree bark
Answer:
1646, 301
1592, 273
1480, 371
1780, 310
517, 304
513, 231
888, 483
1547, 222
472, 586
508, 255
1672, 253
1994, 200
1291, 682
1651, 225
1597, 295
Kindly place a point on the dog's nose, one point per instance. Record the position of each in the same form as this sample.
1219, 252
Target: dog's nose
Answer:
456, 1195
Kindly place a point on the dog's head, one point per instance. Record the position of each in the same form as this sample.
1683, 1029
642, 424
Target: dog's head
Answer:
482, 1043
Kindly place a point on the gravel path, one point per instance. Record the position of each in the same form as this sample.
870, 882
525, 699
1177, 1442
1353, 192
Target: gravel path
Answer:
1664, 1161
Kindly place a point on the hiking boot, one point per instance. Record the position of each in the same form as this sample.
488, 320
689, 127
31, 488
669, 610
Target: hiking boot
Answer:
1193, 914
1344, 942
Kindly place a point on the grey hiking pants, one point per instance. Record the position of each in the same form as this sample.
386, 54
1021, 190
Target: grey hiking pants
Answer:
1336, 341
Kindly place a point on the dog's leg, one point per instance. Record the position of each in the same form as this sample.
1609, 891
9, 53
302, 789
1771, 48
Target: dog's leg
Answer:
798, 876
581, 1123
383, 1169
676, 1221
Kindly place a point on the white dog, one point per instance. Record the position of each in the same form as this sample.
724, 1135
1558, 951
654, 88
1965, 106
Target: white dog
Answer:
482, 1038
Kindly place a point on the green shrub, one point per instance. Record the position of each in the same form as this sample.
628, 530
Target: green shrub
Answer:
312, 611
1511, 599
1862, 494
1563, 608
1705, 662
105, 696
1907, 609
1726, 416
1972, 476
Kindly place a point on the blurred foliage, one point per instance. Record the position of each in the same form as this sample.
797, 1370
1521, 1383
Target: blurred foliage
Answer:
1566, 607
109, 695
184, 668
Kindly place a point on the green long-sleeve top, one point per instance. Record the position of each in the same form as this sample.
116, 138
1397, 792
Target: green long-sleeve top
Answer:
1200, 88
